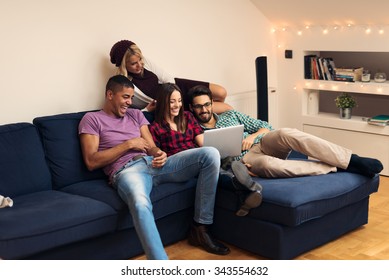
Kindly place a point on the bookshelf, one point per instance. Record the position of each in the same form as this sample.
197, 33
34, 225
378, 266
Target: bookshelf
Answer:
320, 117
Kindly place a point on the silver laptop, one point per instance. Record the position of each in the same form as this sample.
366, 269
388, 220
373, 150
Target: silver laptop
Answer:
228, 140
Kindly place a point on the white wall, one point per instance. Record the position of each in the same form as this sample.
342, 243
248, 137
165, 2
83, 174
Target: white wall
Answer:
54, 55
291, 71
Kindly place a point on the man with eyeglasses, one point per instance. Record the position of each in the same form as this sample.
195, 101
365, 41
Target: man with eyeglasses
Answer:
201, 105
265, 149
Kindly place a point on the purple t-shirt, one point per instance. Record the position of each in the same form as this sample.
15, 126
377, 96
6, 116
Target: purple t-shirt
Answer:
113, 131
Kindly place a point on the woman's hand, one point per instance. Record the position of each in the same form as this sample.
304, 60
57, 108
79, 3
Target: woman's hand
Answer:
151, 106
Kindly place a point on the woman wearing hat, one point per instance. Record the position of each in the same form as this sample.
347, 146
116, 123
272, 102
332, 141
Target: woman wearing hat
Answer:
147, 77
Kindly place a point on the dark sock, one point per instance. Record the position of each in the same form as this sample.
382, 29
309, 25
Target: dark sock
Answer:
365, 166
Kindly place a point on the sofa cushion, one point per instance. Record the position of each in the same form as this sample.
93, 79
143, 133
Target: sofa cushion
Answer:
47, 219
98, 190
172, 197
293, 201
62, 148
166, 198
23, 168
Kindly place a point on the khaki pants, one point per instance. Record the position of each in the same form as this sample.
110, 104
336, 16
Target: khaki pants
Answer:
268, 158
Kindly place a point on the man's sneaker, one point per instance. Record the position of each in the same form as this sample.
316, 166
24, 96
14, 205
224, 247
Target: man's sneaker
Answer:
243, 178
242, 181
253, 200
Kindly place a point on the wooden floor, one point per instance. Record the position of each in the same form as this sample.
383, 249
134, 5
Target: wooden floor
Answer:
369, 242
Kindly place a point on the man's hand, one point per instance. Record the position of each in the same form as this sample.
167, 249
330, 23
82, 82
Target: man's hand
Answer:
138, 144
159, 159
248, 142
249, 171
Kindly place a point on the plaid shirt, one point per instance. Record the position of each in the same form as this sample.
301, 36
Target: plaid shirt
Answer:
251, 125
172, 141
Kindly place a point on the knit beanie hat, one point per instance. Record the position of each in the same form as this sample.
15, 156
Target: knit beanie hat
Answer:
118, 50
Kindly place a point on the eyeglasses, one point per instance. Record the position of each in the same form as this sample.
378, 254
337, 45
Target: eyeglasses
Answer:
200, 106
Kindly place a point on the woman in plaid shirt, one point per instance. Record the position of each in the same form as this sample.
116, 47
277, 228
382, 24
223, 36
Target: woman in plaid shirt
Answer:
175, 130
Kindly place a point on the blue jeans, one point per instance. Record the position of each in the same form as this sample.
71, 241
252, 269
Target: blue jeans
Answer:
136, 180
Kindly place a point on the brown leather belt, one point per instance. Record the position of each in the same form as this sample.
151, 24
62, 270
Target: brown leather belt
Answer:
133, 159
137, 157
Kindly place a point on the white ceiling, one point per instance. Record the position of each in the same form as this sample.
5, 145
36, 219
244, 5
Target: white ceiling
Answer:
295, 13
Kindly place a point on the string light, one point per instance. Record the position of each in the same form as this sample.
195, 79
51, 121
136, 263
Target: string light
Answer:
379, 29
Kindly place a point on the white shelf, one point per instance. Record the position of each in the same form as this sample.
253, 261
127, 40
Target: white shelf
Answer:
355, 133
356, 123
356, 87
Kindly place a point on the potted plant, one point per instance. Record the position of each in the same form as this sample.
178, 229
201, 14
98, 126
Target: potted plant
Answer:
345, 102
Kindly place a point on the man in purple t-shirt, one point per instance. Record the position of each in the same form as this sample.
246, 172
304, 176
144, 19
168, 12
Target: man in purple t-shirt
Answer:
118, 140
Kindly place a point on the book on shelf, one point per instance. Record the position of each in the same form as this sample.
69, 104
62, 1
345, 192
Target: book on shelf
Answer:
348, 74
308, 66
380, 120
319, 68
323, 62
331, 67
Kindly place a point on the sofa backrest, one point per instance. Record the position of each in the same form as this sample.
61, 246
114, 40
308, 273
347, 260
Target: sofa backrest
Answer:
62, 148
23, 168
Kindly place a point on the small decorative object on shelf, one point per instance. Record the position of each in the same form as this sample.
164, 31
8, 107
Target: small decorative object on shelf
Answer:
380, 77
365, 76
345, 113
345, 103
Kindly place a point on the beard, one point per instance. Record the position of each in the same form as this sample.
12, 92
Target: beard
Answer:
204, 117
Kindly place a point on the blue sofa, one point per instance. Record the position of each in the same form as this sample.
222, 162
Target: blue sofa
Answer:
297, 214
63, 211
